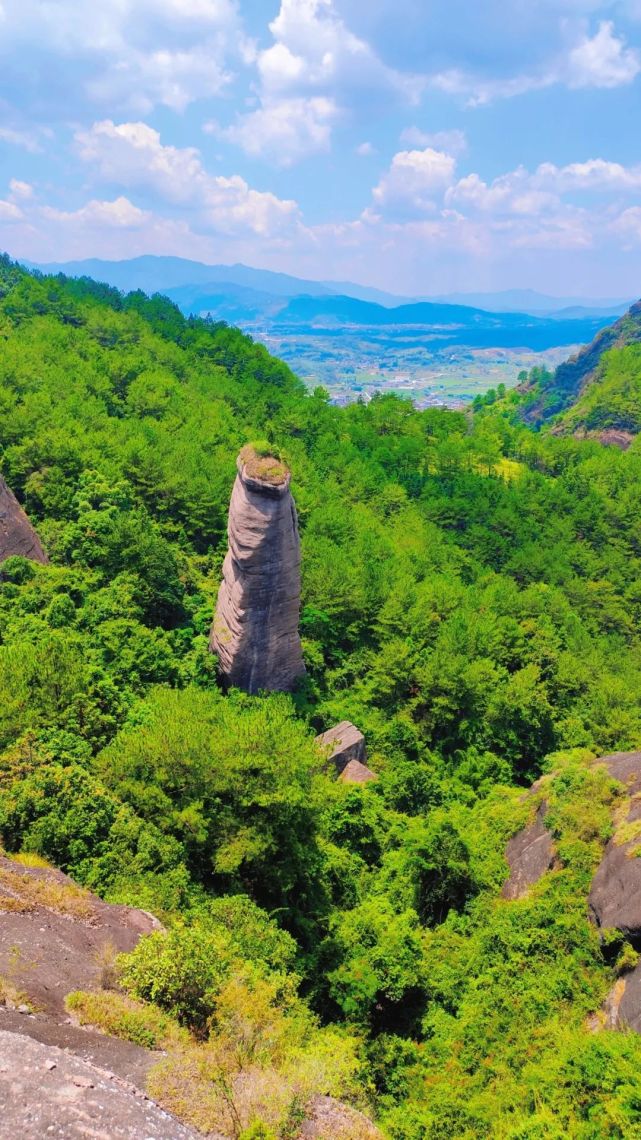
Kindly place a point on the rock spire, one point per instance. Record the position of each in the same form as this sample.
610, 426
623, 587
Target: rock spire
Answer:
17, 536
255, 629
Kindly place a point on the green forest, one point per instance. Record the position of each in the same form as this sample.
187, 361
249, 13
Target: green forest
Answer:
471, 601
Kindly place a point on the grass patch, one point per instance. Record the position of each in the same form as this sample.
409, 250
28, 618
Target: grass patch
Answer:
262, 461
11, 997
31, 859
51, 893
124, 1017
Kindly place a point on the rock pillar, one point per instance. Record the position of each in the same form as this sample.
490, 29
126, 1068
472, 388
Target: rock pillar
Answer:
255, 630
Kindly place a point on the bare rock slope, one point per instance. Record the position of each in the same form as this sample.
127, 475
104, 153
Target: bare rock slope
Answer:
17, 536
53, 937
255, 630
45, 1091
529, 854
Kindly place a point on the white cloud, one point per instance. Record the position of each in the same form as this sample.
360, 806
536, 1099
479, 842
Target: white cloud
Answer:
123, 53
512, 193
9, 212
315, 73
596, 174
132, 155
453, 141
313, 49
119, 214
285, 130
20, 190
414, 178
627, 226
365, 150
603, 60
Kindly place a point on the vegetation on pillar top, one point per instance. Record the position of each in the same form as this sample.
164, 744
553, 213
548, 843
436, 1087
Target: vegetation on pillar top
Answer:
261, 460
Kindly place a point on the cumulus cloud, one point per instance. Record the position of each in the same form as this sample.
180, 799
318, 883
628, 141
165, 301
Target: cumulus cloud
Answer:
132, 155
602, 60
413, 179
315, 72
512, 193
286, 130
123, 53
120, 214
594, 175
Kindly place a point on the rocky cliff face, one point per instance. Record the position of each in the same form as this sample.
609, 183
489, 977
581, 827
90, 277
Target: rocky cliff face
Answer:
17, 536
255, 629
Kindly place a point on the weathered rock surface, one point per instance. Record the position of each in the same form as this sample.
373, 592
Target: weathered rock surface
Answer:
356, 773
342, 744
614, 437
45, 1091
530, 854
52, 934
615, 894
52, 939
255, 631
622, 1007
17, 536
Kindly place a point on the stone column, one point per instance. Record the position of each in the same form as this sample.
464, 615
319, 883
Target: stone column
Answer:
255, 630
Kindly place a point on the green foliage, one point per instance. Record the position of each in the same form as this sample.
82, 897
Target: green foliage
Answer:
471, 599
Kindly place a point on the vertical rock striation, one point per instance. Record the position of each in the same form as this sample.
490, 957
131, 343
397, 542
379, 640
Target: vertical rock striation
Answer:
17, 536
255, 630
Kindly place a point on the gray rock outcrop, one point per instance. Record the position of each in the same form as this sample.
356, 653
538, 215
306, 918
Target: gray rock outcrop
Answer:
17, 536
615, 895
356, 773
343, 744
530, 853
255, 629
44, 1091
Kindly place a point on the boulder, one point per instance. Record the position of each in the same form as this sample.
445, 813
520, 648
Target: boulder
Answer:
255, 630
615, 894
530, 854
17, 536
342, 744
356, 773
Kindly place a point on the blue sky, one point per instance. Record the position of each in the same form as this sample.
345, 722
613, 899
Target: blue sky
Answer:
421, 146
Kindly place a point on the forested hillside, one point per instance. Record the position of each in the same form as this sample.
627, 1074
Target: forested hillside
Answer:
471, 600
596, 391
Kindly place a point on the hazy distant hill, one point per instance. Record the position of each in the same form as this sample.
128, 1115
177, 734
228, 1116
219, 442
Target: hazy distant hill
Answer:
160, 274
438, 325
529, 301
155, 274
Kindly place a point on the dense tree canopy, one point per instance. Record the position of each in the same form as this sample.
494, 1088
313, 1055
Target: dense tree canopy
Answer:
471, 599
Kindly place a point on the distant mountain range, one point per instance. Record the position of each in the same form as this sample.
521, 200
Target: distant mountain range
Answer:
435, 325
543, 304
160, 274
166, 274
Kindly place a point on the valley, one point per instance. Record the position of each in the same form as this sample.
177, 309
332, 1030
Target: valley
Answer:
356, 341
